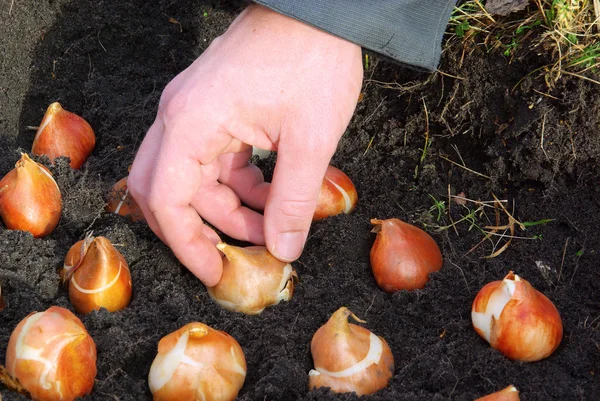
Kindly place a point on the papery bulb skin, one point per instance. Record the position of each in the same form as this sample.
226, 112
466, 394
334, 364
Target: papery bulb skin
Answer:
510, 393
30, 199
252, 280
121, 202
62, 133
403, 255
197, 363
52, 355
517, 320
98, 276
337, 195
72, 258
348, 357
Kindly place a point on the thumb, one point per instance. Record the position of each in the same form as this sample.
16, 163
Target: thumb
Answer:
302, 161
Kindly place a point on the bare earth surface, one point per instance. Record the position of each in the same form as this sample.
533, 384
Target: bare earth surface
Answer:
109, 61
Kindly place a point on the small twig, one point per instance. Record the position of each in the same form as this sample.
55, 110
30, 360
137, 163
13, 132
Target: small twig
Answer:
545, 94
494, 233
582, 77
459, 155
88, 228
450, 75
446, 106
372, 301
369, 145
542, 138
101, 45
597, 12
426, 146
463, 274
485, 11
482, 203
366, 120
477, 245
449, 211
294, 324
174, 21
573, 145
465, 167
563, 259
508, 214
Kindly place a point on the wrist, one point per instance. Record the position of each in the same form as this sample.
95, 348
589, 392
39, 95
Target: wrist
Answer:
286, 26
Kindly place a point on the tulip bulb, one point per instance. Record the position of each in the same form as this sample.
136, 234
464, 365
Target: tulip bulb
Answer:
349, 358
62, 133
121, 202
403, 255
252, 280
516, 319
337, 195
52, 356
98, 276
197, 363
30, 199
510, 393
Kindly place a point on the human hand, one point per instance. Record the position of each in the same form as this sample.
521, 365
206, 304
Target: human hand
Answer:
270, 82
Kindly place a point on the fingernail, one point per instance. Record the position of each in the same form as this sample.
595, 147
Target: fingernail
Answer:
289, 245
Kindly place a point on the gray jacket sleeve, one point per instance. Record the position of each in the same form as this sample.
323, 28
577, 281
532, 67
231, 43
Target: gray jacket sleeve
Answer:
408, 31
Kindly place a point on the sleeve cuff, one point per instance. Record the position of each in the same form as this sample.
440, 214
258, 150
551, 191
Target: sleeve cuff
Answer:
408, 31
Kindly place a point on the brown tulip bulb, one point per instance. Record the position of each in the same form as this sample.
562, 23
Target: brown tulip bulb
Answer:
252, 280
197, 363
30, 199
62, 133
98, 276
338, 195
121, 202
52, 356
510, 393
516, 319
348, 357
403, 255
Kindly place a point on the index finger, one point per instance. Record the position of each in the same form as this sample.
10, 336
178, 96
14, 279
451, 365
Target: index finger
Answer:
176, 177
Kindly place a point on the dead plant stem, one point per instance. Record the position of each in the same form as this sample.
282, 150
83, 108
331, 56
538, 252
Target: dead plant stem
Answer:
465, 167
449, 211
597, 13
582, 77
562, 263
542, 138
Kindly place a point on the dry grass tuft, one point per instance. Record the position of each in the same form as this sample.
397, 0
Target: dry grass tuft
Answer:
566, 32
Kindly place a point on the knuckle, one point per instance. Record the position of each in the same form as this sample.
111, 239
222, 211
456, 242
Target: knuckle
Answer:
295, 212
173, 103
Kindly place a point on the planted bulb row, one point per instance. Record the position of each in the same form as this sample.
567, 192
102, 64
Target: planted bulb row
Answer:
53, 357
198, 361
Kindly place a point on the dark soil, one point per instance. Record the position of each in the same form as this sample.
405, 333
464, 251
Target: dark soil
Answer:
109, 61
